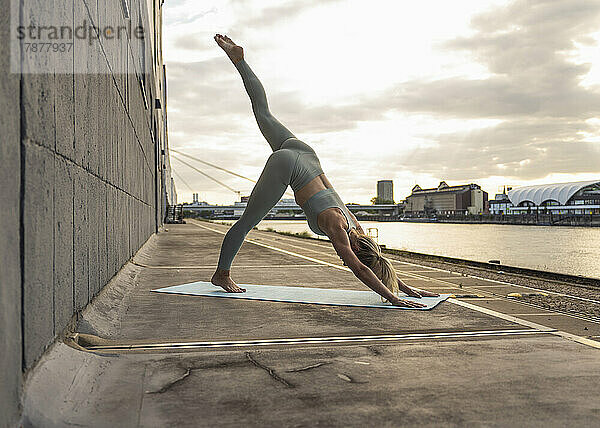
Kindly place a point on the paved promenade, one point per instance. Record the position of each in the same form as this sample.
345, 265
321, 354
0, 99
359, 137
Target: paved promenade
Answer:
153, 360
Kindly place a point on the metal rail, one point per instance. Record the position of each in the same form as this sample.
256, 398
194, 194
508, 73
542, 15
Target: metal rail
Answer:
309, 340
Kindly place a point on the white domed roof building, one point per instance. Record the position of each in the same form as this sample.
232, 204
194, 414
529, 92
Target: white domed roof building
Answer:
582, 197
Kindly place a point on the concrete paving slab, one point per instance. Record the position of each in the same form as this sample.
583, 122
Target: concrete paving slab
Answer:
502, 290
442, 275
469, 281
500, 382
527, 310
427, 284
570, 324
503, 305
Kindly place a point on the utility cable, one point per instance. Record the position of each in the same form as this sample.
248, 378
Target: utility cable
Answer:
206, 175
179, 177
217, 167
212, 165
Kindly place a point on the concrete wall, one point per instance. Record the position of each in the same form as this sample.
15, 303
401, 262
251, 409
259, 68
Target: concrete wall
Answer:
10, 262
82, 158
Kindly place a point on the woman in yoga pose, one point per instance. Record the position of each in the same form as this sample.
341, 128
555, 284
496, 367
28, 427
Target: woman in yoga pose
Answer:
295, 164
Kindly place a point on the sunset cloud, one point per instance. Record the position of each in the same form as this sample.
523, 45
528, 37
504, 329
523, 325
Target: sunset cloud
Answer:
495, 97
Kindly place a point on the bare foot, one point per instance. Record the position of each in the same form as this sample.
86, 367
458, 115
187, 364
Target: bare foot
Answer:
233, 51
222, 279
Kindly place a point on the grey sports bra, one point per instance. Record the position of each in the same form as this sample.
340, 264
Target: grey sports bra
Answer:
319, 202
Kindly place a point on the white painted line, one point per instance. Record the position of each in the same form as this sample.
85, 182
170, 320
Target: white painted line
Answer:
213, 266
490, 286
536, 314
301, 247
323, 243
416, 271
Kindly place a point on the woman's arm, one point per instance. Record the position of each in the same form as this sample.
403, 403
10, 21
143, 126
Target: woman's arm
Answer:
341, 243
358, 226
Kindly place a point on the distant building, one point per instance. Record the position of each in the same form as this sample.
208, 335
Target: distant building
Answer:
385, 190
500, 204
195, 201
444, 199
288, 206
582, 197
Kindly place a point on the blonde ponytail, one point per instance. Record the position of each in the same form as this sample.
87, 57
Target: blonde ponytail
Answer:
370, 255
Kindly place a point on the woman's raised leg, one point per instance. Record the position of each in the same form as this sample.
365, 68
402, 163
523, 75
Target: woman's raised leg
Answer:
273, 131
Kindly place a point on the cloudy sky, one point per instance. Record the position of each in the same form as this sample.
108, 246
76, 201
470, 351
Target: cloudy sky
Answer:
490, 92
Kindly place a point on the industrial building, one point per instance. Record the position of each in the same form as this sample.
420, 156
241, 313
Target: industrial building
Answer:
385, 191
582, 197
446, 200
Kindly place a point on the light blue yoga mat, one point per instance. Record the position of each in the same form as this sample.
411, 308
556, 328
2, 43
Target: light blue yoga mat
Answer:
316, 296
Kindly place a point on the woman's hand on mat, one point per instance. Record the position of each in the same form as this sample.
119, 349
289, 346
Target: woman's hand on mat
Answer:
421, 293
424, 293
406, 303
413, 293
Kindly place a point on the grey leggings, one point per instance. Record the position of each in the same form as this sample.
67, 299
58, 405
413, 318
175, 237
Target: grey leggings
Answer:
275, 177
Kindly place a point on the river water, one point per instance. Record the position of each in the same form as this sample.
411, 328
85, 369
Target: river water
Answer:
571, 250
